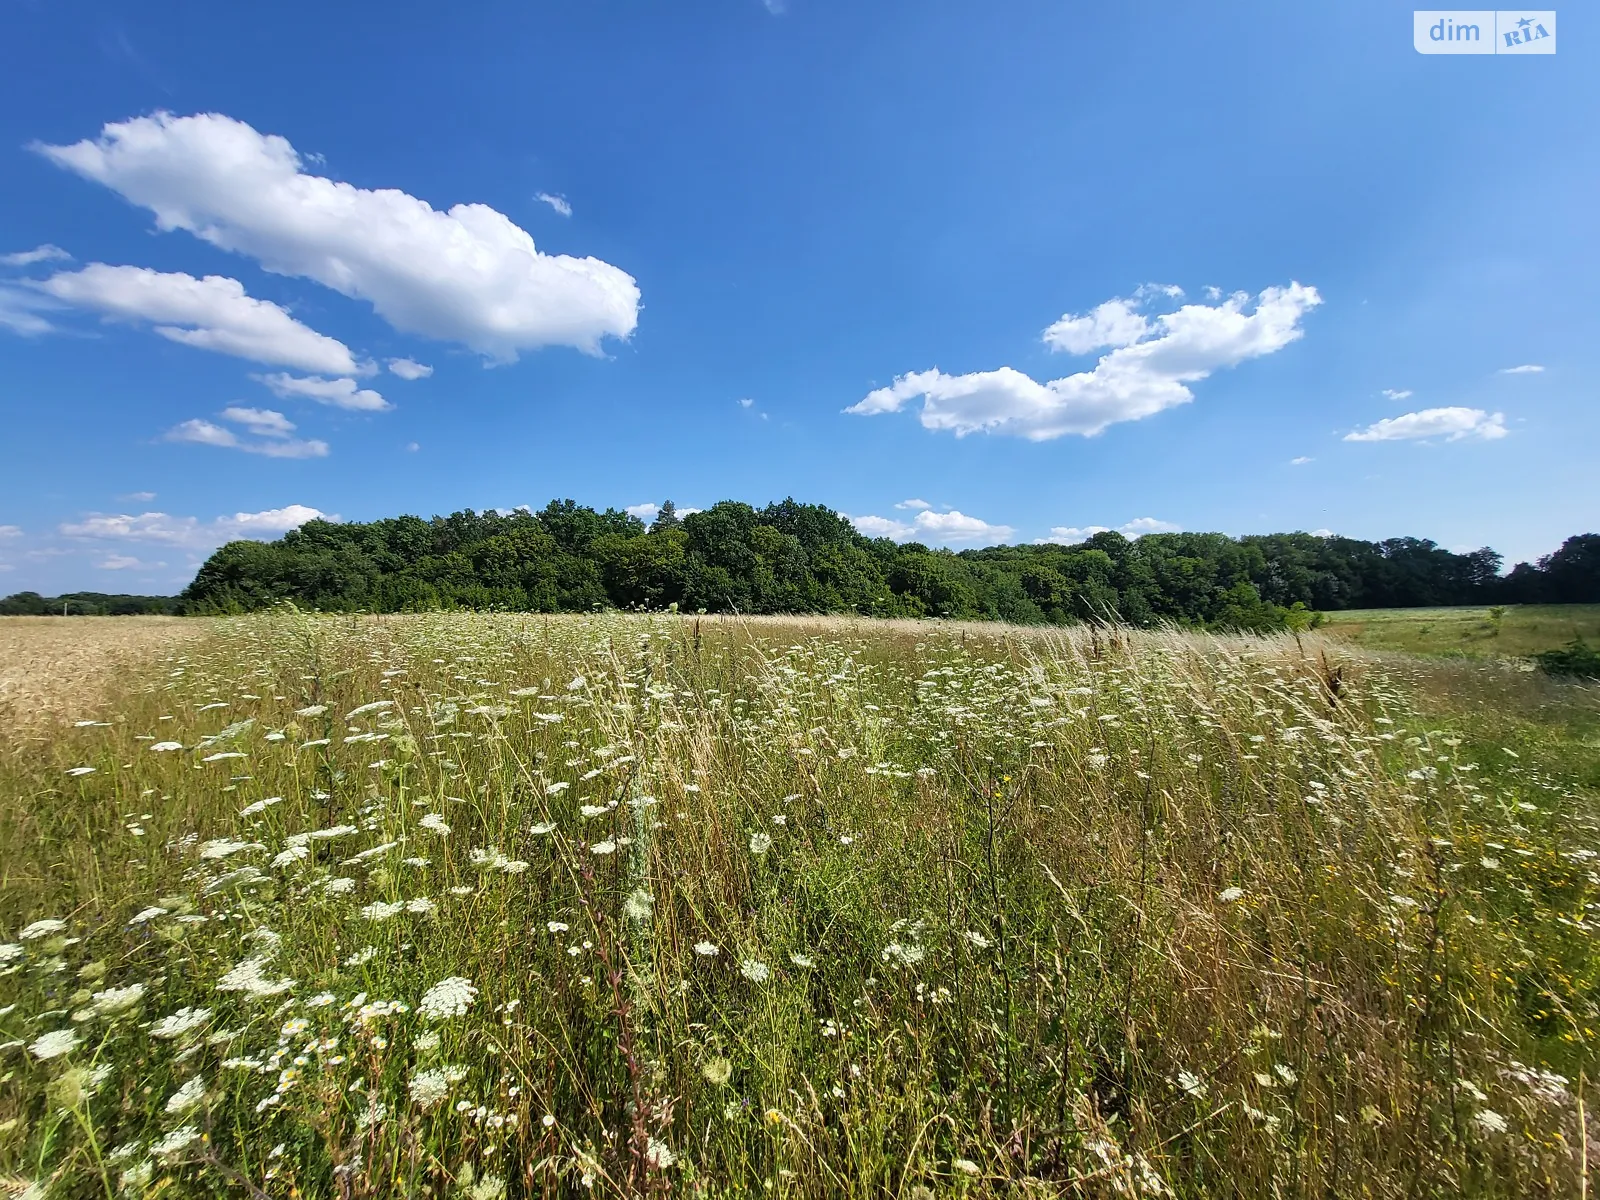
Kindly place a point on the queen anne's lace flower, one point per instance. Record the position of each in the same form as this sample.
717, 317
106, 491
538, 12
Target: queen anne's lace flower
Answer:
115, 1000
186, 1097
450, 997
54, 1044
180, 1023
428, 1088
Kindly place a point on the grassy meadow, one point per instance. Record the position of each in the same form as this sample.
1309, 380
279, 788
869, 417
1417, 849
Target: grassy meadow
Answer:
486, 906
1515, 630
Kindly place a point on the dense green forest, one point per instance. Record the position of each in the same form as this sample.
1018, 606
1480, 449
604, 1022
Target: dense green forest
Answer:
792, 557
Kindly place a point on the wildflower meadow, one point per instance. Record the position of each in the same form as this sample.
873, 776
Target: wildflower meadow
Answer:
482, 906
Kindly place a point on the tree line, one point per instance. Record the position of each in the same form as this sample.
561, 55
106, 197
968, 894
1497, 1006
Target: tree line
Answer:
89, 604
790, 557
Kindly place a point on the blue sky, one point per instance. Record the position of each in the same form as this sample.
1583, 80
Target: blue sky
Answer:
968, 223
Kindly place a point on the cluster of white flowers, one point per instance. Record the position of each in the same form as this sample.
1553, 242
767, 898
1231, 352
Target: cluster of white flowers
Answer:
179, 1023
187, 1096
433, 821
450, 997
116, 1000
248, 977
54, 1044
428, 1088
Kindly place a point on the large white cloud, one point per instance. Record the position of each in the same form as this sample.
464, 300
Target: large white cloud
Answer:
1071, 535
213, 313
1451, 424
940, 528
191, 532
1154, 360
341, 393
467, 275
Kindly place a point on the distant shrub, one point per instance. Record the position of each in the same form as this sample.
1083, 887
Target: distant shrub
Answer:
1575, 658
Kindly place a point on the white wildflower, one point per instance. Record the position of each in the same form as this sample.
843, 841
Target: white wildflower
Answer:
760, 843
450, 997
116, 1000
174, 1142
54, 1044
1229, 895
755, 970
180, 1023
226, 848
42, 928
436, 823
164, 747
428, 1088
186, 1097
707, 949
247, 977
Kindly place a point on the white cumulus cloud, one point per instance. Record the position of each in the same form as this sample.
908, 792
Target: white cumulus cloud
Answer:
273, 445
914, 505
1451, 424
407, 369
264, 422
124, 562
190, 532
645, 512
340, 393
1071, 535
213, 313
1147, 371
940, 528
466, 275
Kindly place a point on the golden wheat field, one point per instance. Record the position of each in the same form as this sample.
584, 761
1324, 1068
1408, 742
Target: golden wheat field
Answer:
489, 906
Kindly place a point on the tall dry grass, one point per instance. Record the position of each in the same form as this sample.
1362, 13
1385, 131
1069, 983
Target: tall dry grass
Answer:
619, 905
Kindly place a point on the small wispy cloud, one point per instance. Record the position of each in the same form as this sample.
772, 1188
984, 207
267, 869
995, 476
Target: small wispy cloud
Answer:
1451, 424
1397, 394
407, 369
39, 254
1071, 535
559, 203
274, 431
1524, 369
1301, 461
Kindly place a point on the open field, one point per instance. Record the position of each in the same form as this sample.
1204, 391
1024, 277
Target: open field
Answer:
1524, 629
478, 906
49, 664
